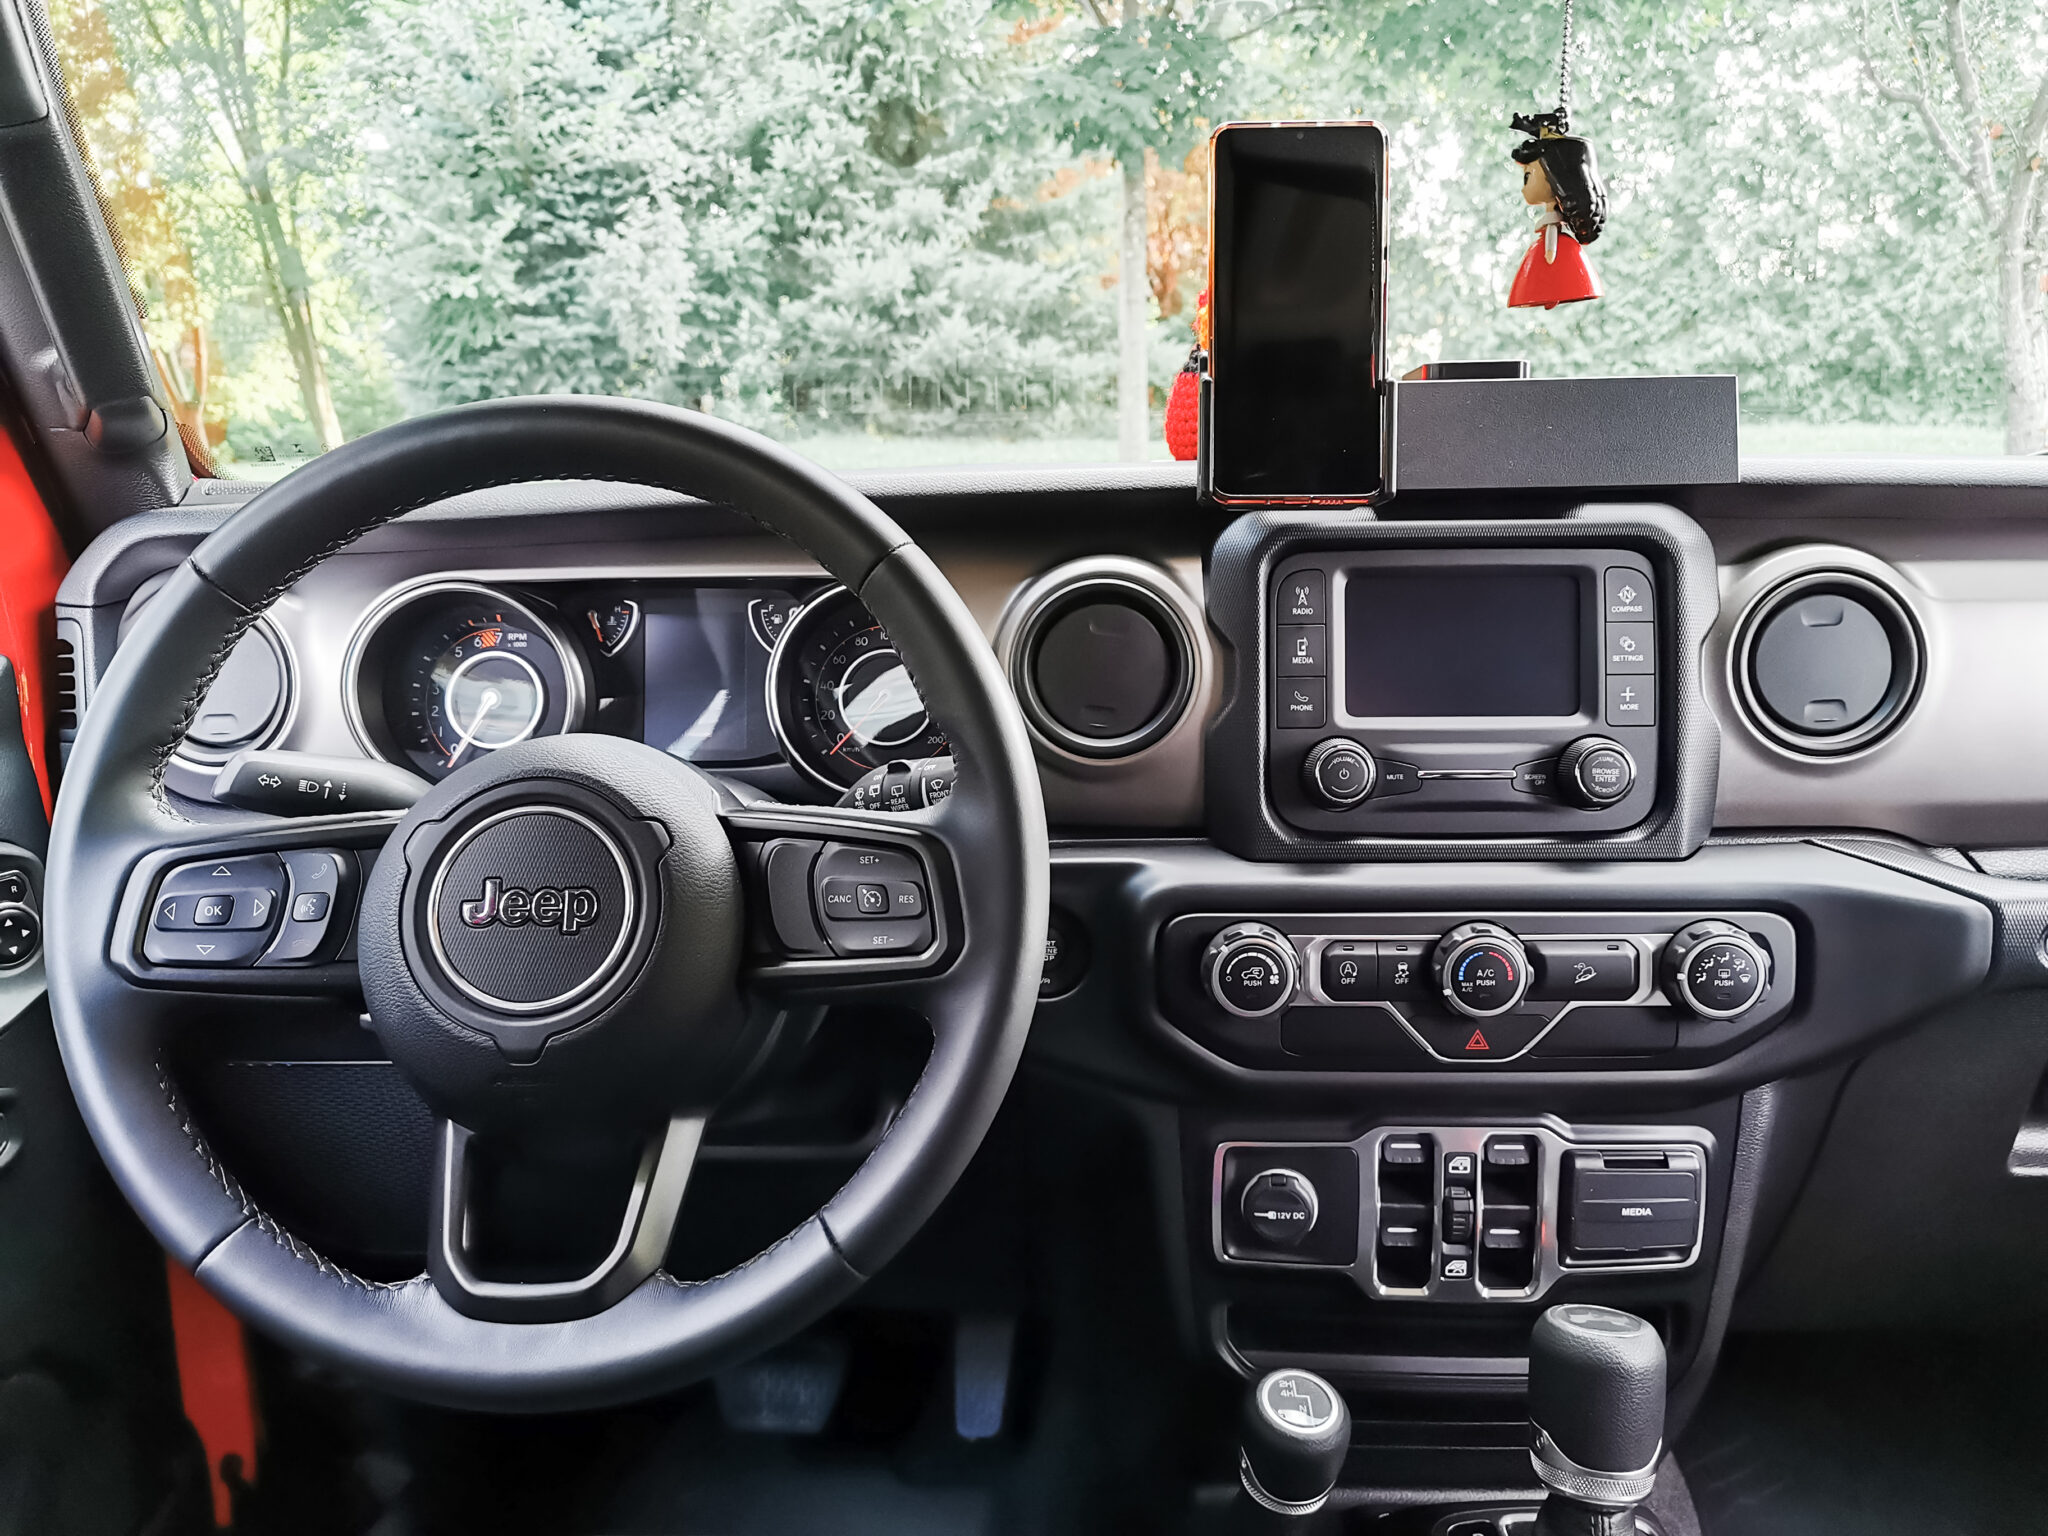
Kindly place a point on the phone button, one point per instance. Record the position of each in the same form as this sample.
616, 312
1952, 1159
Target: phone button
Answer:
1301, 703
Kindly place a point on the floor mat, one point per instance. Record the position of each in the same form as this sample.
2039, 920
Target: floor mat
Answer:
1872, 1435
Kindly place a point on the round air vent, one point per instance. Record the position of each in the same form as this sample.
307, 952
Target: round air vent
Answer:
1827, 663
1102, 660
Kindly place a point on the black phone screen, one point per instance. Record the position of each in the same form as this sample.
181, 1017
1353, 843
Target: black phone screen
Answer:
1297, 308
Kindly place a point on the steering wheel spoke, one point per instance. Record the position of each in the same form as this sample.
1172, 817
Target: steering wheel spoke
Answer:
846, 901
659, 1183
249, 904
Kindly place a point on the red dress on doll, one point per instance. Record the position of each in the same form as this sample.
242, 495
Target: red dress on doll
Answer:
1555, 271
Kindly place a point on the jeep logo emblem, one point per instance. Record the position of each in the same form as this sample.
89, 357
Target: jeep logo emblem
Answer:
568, 909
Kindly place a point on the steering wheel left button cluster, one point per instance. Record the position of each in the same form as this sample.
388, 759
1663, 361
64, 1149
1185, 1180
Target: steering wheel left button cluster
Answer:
252, 909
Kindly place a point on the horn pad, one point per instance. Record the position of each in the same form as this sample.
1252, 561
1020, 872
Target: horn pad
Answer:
556, 930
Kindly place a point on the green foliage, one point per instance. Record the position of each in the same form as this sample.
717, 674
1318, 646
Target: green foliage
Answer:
896, 215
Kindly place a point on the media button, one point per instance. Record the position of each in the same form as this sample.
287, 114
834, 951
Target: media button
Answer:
1629, 594
1631, 648
1298, 650
1631, 701
1301, 703
1303, 598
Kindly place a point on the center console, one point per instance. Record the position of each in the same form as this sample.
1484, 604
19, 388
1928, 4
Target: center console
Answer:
1502, 689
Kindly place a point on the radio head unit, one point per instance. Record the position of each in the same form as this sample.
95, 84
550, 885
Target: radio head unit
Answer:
1434, 692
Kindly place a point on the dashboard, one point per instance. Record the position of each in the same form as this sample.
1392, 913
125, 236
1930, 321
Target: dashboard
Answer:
1459, 878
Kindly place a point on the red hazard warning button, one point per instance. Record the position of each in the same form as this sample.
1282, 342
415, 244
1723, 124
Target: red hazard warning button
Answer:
1495, 1040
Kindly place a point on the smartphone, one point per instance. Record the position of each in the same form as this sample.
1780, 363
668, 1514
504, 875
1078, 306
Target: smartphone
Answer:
1297, 393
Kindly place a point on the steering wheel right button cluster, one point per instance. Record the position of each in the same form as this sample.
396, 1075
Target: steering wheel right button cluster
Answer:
873, 900
1716, 970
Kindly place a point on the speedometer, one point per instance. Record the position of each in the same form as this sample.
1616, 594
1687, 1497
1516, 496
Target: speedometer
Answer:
450, 673
840, 698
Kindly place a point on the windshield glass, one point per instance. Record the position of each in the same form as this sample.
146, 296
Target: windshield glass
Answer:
897, 232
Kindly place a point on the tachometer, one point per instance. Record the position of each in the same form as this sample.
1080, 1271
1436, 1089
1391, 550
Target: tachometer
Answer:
448, 673
840, 699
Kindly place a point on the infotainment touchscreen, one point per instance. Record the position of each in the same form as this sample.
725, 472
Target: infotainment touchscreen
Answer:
1465, 642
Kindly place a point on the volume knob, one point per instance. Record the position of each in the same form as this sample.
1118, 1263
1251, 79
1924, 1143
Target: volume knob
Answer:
1338, 773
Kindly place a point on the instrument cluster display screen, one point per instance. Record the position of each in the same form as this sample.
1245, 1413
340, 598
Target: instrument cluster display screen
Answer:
1462, 642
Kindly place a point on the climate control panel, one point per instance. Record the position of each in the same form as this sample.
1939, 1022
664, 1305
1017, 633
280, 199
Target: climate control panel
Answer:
1419, 991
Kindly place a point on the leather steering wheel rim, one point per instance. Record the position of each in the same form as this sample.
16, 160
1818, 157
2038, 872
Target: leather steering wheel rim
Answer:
114, 811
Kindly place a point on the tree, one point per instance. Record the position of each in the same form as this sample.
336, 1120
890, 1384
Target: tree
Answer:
244, 69
1124, 81
1998, 169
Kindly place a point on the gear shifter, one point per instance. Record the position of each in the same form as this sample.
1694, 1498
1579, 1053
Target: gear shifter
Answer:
1295, 1433
1596, 1418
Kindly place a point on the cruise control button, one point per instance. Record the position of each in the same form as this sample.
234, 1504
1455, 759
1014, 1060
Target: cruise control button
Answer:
1351, 971
871, 900
1597, 970
858, 890
906, 899
839, 899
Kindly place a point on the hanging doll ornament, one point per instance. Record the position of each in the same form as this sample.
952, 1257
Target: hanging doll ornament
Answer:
1183, 402
1560, 175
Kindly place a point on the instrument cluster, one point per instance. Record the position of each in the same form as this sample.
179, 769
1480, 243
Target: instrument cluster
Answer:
745, 674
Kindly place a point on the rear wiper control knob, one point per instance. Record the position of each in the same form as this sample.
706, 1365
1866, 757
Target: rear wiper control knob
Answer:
1596, 1417
1295, 1432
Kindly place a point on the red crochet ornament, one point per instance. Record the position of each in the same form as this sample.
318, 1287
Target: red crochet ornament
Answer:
1184, 400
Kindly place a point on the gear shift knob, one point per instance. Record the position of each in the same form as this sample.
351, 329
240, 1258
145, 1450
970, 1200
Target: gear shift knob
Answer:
1596, 1406
1295, 1433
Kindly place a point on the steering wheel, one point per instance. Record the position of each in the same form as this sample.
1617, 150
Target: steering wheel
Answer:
575, 931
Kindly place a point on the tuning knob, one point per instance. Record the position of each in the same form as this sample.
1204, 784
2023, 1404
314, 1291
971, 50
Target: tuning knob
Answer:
1250, 970
1338, 774
1715, 969
1481, 969
1594, 772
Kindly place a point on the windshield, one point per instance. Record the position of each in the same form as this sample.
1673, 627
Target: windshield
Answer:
896, 232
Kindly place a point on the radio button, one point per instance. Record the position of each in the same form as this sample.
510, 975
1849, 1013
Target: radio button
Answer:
1351, 971
1298, 651
1301, 703
1303, 598
1583, 970
1629, 594
1631, 648
1631, 701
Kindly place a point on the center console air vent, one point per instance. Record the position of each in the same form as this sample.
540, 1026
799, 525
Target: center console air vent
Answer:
1102, 656
1827, 663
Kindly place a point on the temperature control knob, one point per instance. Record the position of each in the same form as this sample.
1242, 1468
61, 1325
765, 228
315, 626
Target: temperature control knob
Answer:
1481, 969
1250, 970
1595, 772
1338, 773
1715, 969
